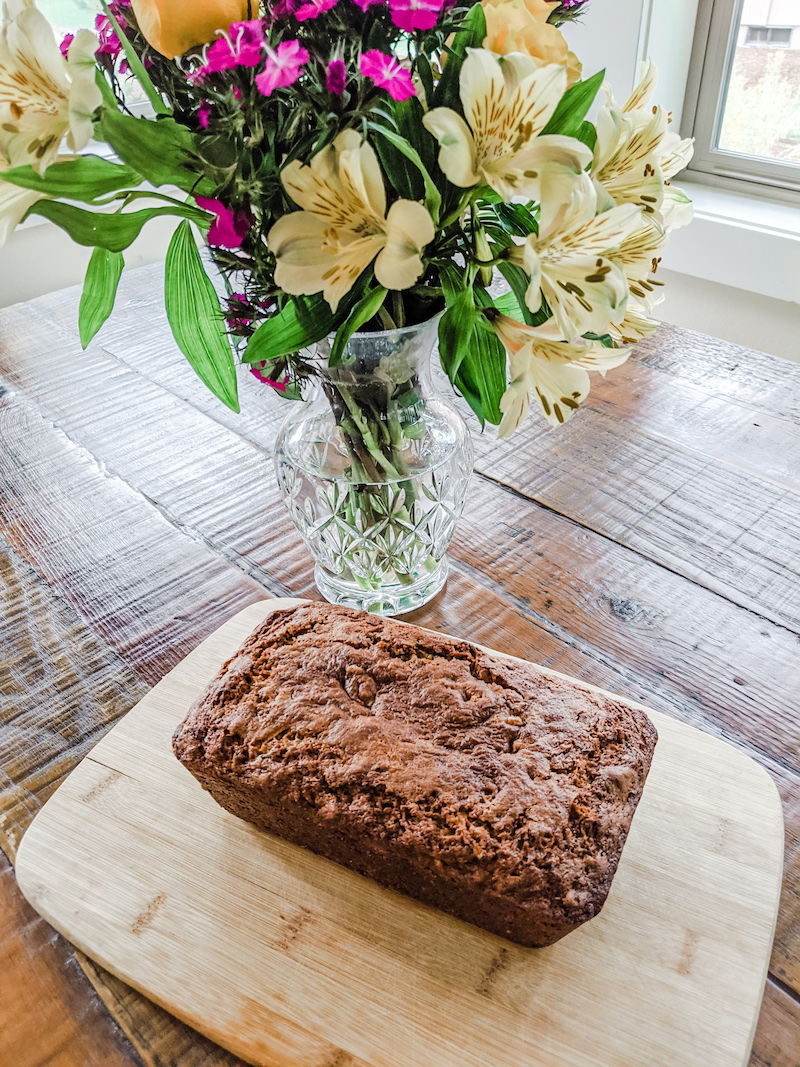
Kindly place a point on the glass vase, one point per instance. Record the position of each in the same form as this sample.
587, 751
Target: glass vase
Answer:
374, 468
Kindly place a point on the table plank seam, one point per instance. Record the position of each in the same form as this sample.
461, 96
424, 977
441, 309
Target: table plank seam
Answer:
710, 586
784, 988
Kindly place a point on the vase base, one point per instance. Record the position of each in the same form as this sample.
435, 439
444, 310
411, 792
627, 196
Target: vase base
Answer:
394, 599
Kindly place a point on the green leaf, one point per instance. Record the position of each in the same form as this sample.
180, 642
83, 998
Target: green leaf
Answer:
455, 329
109, 100
159, 149
361, 313
433, 199
195, 317
470, 35
519, 281
302, 322
425, 75
567, 119
136, 65
99, 292
605, 339
483, 370
452, 280
84, 178
588, 134
112, 231
517, 219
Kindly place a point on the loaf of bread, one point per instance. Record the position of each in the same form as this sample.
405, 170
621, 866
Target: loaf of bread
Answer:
478, 785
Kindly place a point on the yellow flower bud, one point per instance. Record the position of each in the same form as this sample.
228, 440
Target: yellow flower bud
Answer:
172, 27
522, 26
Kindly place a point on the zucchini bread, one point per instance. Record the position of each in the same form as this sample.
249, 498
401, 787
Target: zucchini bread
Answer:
478, 785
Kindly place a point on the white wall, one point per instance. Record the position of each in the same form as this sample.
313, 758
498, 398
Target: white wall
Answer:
39, 257
736, 315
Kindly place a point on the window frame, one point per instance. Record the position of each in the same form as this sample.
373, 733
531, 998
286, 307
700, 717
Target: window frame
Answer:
716, 30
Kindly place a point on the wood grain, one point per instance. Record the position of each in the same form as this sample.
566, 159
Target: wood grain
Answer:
777, 1040
651, 470
38, 969
330, 965
682, 472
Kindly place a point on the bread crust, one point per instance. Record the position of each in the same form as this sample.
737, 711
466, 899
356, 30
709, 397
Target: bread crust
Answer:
480, 786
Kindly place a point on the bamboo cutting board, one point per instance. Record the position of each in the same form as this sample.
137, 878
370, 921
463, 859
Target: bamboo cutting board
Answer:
289, 960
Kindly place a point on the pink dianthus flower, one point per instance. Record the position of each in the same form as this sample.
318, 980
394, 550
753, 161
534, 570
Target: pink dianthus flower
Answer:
279, 385
65, 43
229, 227
413, 15
283, 67
313, 9
243, 46
388, 74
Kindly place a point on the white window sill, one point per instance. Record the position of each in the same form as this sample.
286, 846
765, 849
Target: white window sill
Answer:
741, 241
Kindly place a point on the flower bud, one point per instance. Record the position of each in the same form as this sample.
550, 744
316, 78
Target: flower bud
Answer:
172, 27
483, 254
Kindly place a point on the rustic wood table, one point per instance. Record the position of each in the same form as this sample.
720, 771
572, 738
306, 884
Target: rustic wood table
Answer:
650, 547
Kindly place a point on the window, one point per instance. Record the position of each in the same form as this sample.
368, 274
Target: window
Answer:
780, 37
743, 98
69, 16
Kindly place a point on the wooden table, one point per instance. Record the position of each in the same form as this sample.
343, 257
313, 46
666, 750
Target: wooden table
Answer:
650, 547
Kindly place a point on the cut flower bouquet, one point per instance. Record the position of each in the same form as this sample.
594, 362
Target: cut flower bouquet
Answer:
355, 168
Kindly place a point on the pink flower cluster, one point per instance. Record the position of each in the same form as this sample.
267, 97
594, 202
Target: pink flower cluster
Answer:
110, 44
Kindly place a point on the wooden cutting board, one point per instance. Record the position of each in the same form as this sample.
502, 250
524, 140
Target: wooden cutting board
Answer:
289, 960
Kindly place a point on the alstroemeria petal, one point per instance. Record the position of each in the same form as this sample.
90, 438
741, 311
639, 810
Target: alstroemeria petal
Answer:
84, 95
296, 241
599, 235
515, 404
316, 189
635, 327
676, 153
545, 170
409, 228
14, 202
640, 97
558, 387
351, 261
360, 172
457, 150
676, 208
585, 295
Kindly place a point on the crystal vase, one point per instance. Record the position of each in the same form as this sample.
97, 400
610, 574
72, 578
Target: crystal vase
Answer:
374, 468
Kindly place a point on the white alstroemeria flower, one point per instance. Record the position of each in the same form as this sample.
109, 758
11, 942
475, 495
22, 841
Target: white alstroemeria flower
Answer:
635, 154
568, 261
554, 372
507, 101
639, 256
14, 202
344, 226
43, 96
